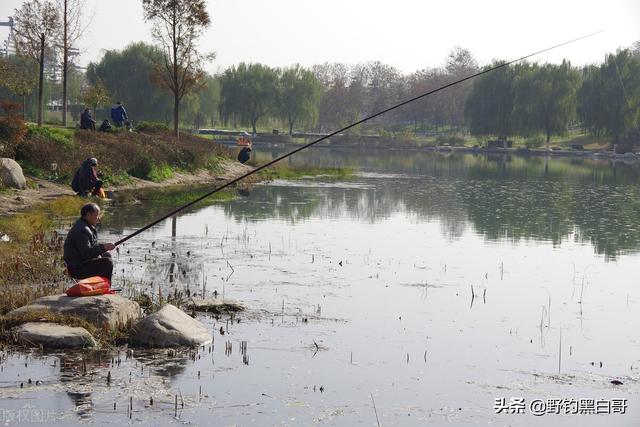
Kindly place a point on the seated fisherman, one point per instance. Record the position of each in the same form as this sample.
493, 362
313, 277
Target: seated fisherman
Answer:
86, 179
245, 154
84, 256
105, 126
86, 121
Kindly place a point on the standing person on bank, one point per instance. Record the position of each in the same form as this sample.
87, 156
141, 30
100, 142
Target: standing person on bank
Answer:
83, 255
118, 114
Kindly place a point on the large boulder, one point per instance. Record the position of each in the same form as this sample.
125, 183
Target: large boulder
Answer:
11, 174
169, 327
52, 335
112, 310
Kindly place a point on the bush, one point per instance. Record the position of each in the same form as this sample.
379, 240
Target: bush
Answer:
12, 129
61, 136
142, 166
159, 173
152, 127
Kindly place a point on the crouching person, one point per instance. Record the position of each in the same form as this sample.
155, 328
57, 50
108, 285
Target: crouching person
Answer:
84, 256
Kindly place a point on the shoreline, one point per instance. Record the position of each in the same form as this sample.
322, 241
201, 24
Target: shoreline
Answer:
13, 201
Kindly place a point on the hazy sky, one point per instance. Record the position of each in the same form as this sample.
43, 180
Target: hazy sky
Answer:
408, 34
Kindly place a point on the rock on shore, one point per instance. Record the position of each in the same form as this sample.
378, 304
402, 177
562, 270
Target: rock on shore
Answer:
169, 327
99, 310
11, 174
52, 335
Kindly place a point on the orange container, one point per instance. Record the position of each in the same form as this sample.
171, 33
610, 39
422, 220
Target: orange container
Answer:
95, 285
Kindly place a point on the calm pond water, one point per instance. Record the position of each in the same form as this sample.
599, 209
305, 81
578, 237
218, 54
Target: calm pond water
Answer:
415, 293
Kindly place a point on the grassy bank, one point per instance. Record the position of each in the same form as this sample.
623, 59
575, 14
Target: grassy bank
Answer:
31, 263
55, 153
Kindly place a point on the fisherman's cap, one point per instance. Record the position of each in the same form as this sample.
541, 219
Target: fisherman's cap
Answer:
93, 161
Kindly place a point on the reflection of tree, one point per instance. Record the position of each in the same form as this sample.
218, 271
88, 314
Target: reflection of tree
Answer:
504, 197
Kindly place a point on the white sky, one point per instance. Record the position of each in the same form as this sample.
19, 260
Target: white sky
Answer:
408, 34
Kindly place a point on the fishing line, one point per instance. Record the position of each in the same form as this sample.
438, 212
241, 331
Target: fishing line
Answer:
304, 147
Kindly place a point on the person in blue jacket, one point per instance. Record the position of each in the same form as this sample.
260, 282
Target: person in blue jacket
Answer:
118, 114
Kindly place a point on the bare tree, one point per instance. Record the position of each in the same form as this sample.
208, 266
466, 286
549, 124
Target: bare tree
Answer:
71, 31
177, 25
36, 26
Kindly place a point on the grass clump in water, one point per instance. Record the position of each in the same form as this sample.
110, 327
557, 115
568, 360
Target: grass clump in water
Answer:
294, 173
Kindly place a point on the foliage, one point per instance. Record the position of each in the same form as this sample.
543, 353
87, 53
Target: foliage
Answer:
96, 95
208, 102
18, 76
151, 127
299, 97
61, 136
126, 76
545, 99
177, 25
36, 26
248, 93
489, 105
609, 98
12, 129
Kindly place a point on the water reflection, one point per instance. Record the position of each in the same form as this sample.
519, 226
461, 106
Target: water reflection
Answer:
501, 197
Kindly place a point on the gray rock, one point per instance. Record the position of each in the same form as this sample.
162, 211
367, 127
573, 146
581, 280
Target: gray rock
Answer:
169, 327
99, 310
52, 335
11, 174
214, 305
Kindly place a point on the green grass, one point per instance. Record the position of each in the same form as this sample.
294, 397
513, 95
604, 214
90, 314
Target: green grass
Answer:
159, 173
60, 135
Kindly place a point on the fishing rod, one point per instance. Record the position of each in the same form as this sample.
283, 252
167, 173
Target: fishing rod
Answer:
310, 144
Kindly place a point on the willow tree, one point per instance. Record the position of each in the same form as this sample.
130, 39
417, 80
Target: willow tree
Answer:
177, 25
299, 97
36, 26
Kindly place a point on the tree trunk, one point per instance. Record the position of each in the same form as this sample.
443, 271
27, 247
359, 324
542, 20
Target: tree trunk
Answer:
41, 83
176, 115
290, 127
24, 107
253, 125
65, 66
548, 138
176, 87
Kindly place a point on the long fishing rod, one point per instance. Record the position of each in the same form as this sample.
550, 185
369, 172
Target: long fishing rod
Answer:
304, 147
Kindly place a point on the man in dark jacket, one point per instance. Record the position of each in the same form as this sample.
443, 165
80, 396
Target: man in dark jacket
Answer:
84, 256
118, 114
86, 121
244, 155
86, 179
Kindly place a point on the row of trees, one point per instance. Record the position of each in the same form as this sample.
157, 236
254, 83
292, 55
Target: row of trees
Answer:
524, 99
531, 99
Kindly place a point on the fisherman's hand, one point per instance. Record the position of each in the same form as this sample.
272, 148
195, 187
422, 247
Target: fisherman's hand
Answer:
109, 246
